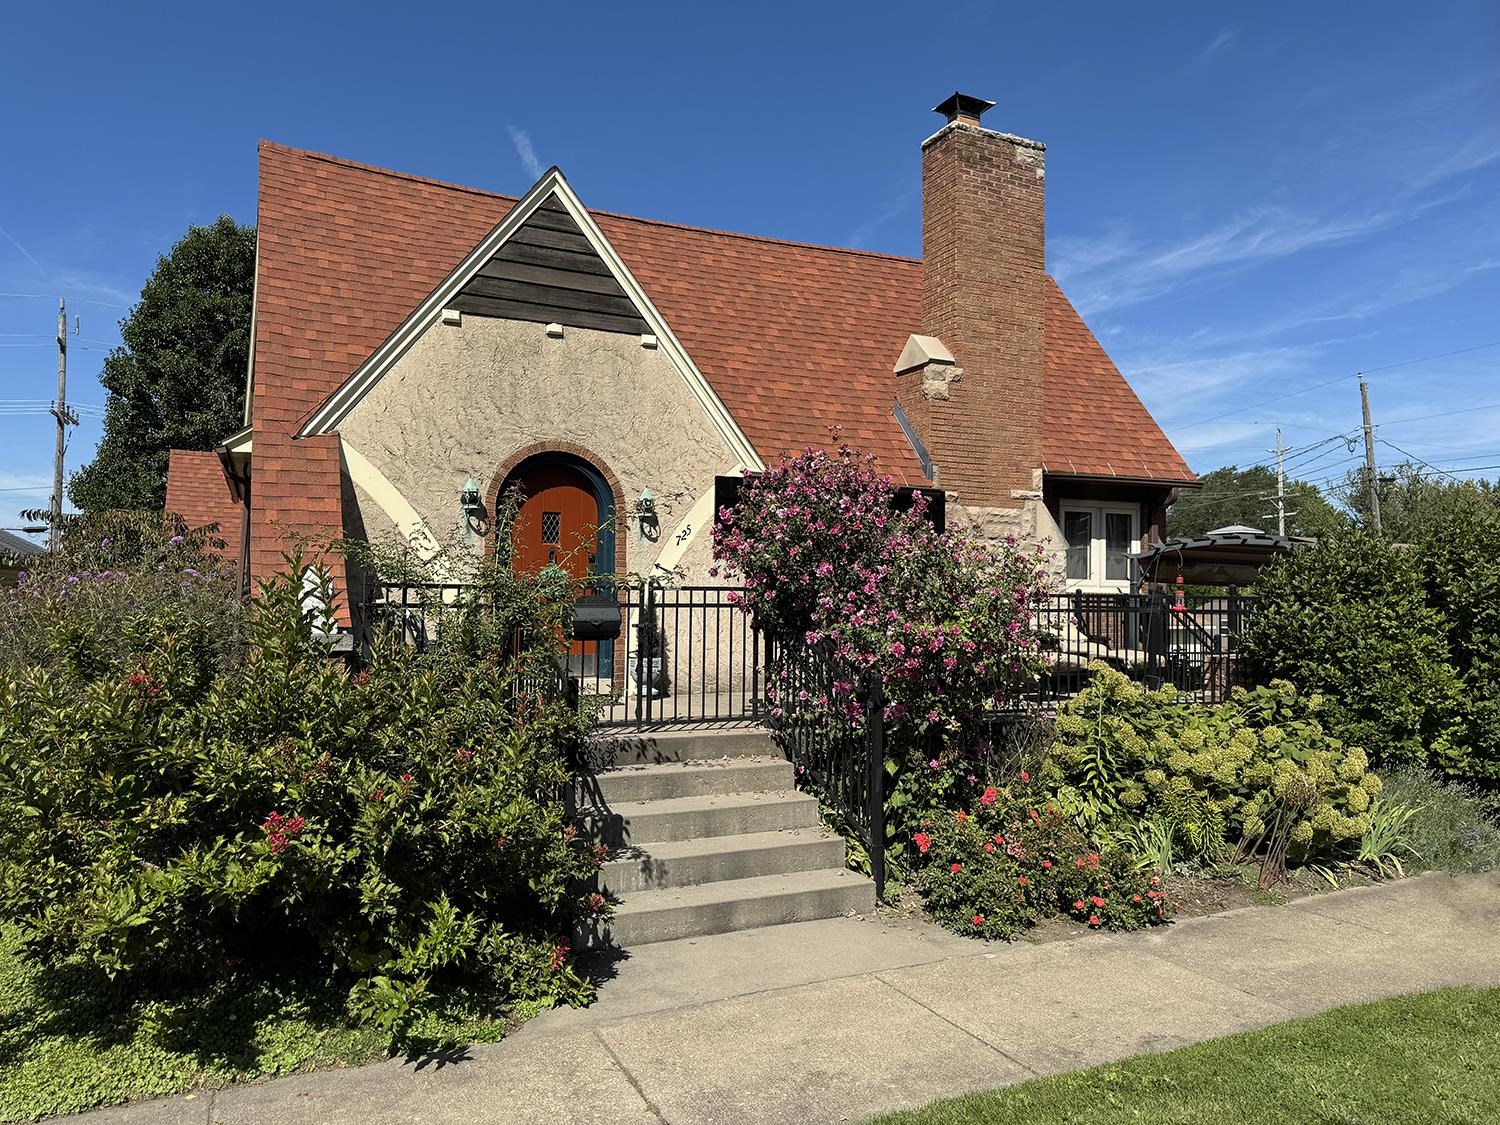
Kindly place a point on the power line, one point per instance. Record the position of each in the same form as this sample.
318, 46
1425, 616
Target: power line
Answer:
1337, 379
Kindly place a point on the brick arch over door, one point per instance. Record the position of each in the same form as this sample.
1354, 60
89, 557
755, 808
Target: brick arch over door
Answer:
563, 450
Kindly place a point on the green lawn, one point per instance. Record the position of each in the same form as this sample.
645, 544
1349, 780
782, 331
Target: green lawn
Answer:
68, 1045
1429, 1058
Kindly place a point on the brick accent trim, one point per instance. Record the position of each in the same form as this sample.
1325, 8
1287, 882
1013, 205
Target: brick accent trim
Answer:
572, 449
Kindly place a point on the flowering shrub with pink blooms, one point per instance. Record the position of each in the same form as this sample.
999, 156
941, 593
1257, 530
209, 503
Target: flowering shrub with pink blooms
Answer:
945, 624
167, 822
1014, 859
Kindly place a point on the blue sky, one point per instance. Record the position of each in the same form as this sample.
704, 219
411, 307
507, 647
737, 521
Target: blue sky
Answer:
1244, 202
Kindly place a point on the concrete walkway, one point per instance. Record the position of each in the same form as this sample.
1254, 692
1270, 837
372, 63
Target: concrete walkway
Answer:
837, 1020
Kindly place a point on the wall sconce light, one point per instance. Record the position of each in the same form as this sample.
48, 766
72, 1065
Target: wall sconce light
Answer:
645, 514
472, 509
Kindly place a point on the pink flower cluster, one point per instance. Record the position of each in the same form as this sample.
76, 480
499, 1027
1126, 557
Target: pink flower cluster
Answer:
281, 831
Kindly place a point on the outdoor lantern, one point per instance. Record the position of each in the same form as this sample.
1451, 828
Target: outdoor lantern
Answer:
645, 514
473, 510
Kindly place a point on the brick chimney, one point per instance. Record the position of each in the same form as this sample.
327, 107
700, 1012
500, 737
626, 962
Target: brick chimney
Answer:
983, 218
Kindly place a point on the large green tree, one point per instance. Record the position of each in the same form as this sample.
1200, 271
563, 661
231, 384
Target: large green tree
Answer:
178, 381
1232, 495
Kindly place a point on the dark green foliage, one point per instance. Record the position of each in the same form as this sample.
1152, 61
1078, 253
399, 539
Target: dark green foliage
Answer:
178, 382
167, 823
1352, 620
1233, 495
1457, 544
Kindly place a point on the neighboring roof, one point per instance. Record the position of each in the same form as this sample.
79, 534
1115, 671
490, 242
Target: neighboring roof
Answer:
793, 338
199, 492
12, 544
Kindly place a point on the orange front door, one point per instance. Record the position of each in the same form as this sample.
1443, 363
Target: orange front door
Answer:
558, 522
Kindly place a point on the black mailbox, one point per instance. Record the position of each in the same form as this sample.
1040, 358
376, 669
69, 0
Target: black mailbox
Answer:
596, 618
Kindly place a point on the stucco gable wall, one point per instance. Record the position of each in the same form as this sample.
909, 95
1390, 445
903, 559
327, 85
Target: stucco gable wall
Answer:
464, 398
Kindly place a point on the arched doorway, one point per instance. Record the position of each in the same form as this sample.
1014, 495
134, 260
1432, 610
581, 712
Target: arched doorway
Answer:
565, 518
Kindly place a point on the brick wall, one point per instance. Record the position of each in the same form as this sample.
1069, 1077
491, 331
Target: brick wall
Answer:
198, 491
983, 274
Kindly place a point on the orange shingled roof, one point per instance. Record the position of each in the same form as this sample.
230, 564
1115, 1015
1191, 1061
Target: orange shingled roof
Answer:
793, 338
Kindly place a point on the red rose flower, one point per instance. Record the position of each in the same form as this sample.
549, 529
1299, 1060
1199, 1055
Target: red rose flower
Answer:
989, 796
979, 919
1093, 919
923, 842
955, 869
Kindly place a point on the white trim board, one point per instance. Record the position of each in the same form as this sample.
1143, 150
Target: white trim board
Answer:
337, 406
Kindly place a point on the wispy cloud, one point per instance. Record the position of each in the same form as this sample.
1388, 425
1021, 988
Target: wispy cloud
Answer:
1220, 41
522, 140
25, 253
898, 205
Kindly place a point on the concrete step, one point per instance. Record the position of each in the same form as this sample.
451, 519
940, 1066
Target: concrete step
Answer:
737, 904
689, 818
687, 779
605, 751
688, 863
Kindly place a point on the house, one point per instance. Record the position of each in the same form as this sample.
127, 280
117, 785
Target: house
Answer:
14, 551
421, 348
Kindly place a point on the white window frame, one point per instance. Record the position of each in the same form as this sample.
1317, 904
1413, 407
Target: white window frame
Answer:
1097, 512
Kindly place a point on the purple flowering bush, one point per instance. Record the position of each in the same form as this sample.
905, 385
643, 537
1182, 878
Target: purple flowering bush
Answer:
946, 624
124, 590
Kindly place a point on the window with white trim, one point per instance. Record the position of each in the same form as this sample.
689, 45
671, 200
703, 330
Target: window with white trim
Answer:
1099, 539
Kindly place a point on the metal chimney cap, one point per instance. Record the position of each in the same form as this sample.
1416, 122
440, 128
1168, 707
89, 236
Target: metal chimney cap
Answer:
963, 106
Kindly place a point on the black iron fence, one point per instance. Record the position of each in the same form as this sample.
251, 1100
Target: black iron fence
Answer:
829, 720
652, 656
1191, 642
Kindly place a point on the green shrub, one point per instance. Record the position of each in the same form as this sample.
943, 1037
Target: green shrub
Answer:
166, 823
1458, 546
1455, 827
1218, 776
1352, 620
1016, 860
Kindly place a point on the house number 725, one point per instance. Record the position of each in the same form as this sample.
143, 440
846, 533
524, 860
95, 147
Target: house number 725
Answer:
684, 535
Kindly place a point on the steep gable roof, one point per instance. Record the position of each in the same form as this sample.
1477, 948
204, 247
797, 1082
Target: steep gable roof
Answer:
793, 338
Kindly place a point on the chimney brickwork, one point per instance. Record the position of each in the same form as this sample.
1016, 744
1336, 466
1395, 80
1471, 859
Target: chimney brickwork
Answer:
983, 271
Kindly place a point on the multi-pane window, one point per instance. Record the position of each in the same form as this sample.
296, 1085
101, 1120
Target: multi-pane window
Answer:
1098, 540
551, 527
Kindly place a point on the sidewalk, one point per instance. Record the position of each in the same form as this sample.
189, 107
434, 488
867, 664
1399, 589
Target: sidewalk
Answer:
834, 1021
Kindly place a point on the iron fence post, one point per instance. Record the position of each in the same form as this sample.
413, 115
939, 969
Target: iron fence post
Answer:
875, 751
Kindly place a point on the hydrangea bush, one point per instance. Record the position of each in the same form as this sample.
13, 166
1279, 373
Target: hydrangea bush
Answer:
1219, 776
945, 624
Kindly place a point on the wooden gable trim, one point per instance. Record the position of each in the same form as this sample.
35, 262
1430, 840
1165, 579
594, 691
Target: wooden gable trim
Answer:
553, 220
549, 272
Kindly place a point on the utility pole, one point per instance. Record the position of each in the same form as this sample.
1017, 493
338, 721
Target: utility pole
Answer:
1364, 402
1280, 489
65, 418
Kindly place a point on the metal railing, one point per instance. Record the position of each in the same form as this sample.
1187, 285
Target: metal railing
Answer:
652, 656
1193, 645
837, 743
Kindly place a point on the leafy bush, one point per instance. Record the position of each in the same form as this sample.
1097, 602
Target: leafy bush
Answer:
1352, 620
1458, 546
1454, 827
401, 830
124, 585
1014, 860
1218, 776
